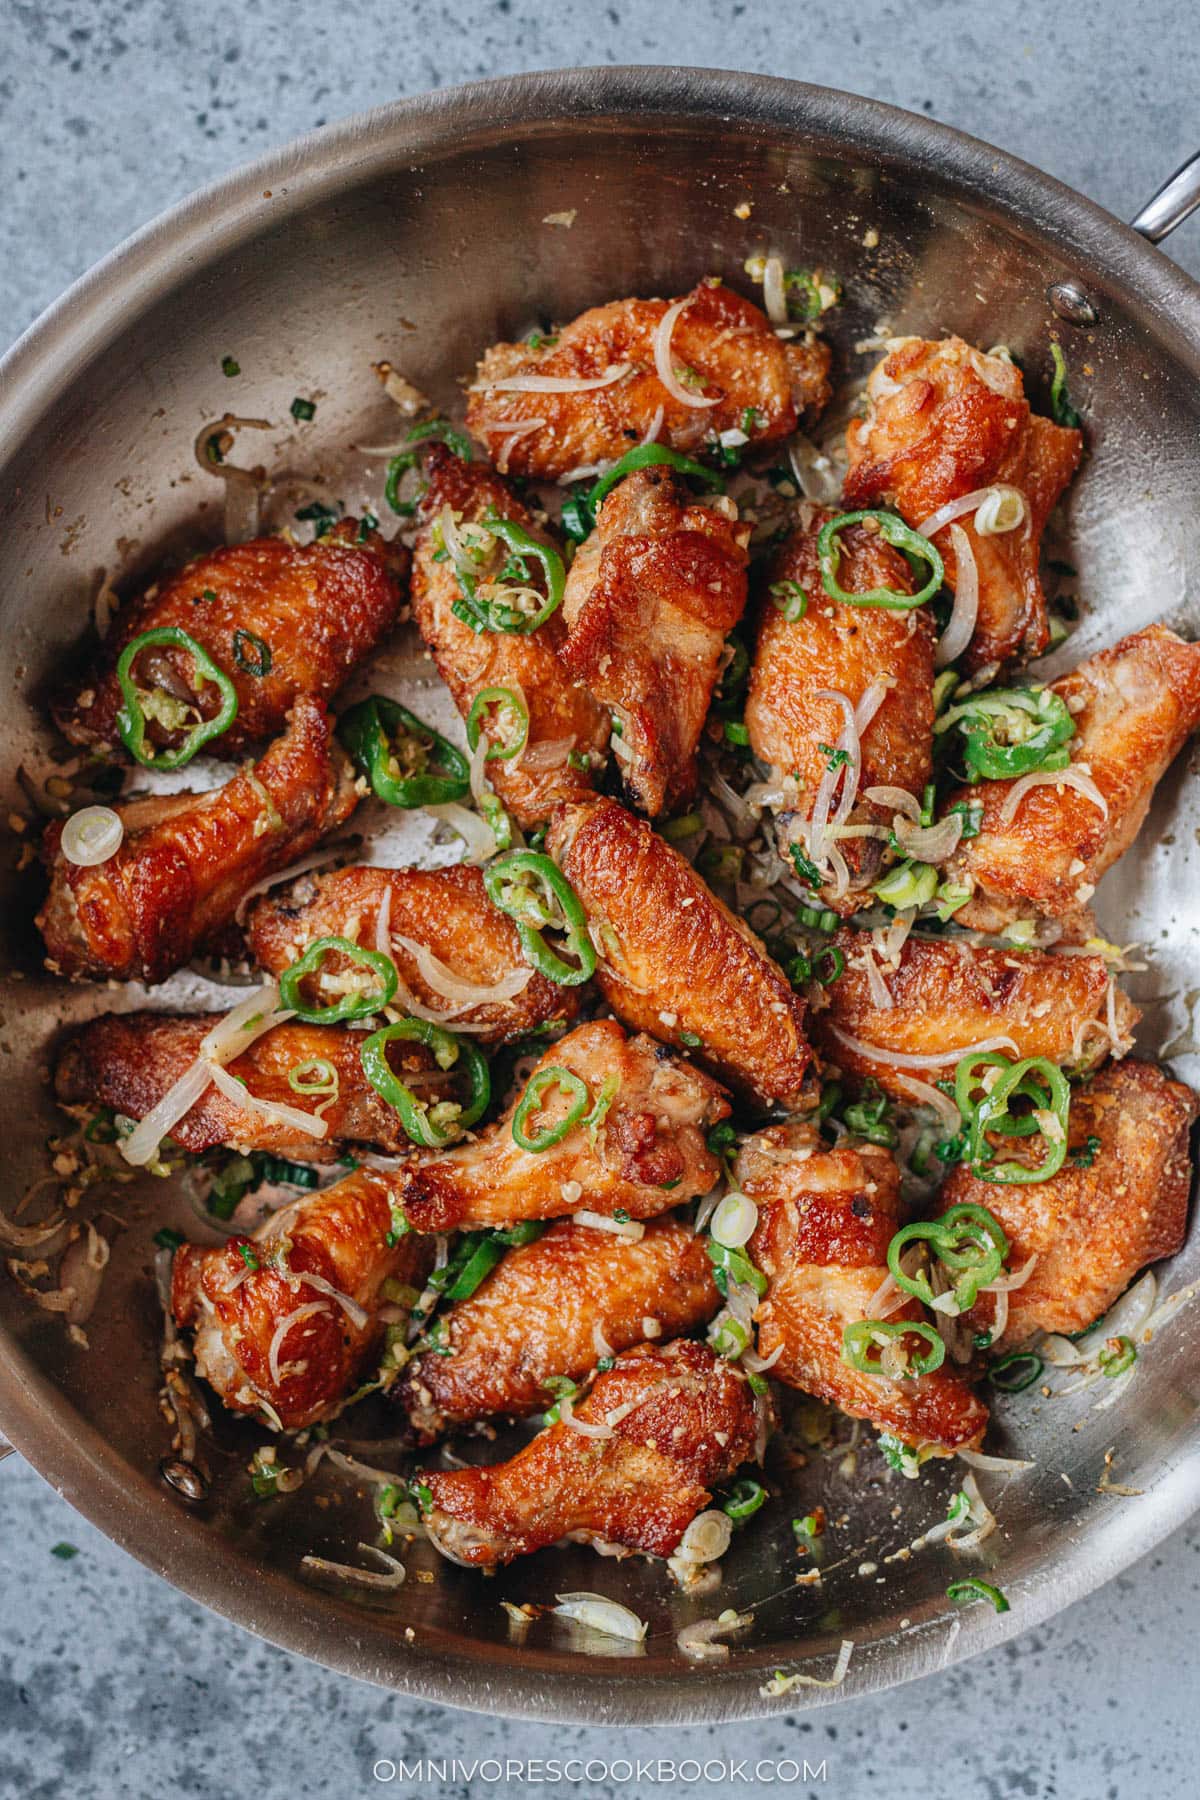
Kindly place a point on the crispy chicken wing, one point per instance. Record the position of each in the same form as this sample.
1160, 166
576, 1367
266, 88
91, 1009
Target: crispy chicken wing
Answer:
446, 911
648, 1152
563, 718
681, 1421
127, 1061
674, 961
943, 420
278, 620
1097, 1222
857, 651
1134, 707
948, 994
187, 859
554, 1307
650, 599
274, 1343
825, 1219
722, 348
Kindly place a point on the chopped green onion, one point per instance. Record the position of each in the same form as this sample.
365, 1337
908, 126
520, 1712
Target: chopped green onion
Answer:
677, 830
908, 884
1118, 1355
303, 410
1061, 410
230, 366
733, 1265
167, 1239
1013, 1373
259, 661
963, 1592
744, 1500
736, 733
315, 1076
790, 599
828, 965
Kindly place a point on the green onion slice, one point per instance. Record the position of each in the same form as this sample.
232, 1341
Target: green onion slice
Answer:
744, 1499
963, 1592
1013, 1373
893, 531
252, 654
317, 1076
141, 705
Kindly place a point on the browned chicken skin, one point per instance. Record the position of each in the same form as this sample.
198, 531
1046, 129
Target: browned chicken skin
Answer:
278, 620
649, 1152
187, 859
239, 1296
650, 600
681, 1422
445, 910
825, 1220
850, 650
1093, 1225
943, 420
1134, 706
726, 347
127, 1061
949, 994
555, 1307
674, 961
563, 718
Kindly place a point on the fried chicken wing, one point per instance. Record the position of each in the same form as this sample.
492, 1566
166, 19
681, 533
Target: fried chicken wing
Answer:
554, 1307
1134, 706
642, 1153
722, 349
128, 1061
944, 419
650, 600
679, 1421
1121, 1205
564, 720
279, 620
825, 1220
674, 961
948, 994
186, 859
865, 653
287, 1322
445, 911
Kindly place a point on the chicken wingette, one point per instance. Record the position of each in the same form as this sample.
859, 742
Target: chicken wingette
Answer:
557, 1307
664, 1426
650, 599
186, 860
738, 376
944, 421
825, 1220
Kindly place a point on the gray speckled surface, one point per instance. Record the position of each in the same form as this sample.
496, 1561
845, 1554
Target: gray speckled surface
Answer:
112, 1684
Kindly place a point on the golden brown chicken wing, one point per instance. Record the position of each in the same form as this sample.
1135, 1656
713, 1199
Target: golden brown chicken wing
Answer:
444, 912
287, 1322
948, 994
637, 1143
277, 619
805, 674
187, 859
128, 1061
943, 420
556, 1307
1043, 851
564, 721
825, 1220
1115, 1205
664, 1427
674, 961
650, 600
724, 353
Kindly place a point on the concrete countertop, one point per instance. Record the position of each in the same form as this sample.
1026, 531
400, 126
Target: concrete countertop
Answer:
110, 1682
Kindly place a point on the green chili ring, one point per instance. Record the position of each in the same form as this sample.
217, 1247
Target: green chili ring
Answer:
646, 456
369, 731
532, 916
745, 1498
966, 1080
893, 531
455, 440
494, 615
131, 718
448, 1051
992, 1111
976, 1262
862, 1336
1013, 1373
350, 1006
963, 1592
499, 697
1116, 1361
569, 1084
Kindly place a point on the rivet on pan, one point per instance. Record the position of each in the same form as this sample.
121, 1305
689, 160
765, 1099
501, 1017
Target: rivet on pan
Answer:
1071, 303
184, 1477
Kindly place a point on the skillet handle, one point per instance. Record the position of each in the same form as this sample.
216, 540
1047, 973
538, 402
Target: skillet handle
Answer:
1173, 203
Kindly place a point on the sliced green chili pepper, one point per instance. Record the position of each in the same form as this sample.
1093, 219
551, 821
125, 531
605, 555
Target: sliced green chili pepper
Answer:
406, 761
139, 705
486, 614
868, 1118
1118, 1354
744, 1500
646, 456
505, 699
966, 1239
963, 1592
970, 1089
866, 1335
1013, 1373
350, 1006
568, 1083
991, 1114
535, 894
1011, 731
576, 517
431, 1126
455, 440
259, 661
485, 1252
893, 531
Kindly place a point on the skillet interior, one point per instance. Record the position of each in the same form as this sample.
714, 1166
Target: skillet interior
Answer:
418, 234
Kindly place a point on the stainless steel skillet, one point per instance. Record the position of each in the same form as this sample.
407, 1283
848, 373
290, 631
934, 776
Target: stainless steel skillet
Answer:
419, 233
